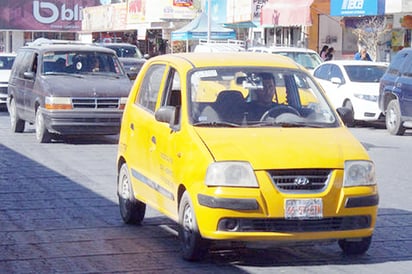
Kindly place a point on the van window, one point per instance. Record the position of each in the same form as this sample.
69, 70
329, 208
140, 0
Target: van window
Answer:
395, 66
25, 63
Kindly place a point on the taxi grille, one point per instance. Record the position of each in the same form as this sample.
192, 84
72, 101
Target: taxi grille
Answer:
96, 103
301, 179
314, 225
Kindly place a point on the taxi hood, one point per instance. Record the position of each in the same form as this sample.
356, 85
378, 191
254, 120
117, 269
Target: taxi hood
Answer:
285, 148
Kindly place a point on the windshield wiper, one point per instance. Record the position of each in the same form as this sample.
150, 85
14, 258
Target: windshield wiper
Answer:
63, 74
216, 124
288, 124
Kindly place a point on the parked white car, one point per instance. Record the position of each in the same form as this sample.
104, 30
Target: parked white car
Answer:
6, 62
353, 84
303, 56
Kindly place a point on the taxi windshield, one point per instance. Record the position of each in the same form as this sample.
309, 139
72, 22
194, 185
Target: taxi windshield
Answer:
257, 97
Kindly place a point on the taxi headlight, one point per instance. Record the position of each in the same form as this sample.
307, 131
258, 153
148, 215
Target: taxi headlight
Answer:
235, 174
359, 173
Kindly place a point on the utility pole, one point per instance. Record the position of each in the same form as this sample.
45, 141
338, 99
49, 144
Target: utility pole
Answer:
209, 21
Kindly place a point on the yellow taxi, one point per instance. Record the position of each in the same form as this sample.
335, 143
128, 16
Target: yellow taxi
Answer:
232, 164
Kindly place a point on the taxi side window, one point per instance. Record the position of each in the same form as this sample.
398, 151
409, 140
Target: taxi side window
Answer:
150, 87
172, 95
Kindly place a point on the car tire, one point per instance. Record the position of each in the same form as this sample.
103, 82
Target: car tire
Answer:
132, 211
393, 120
194, 247
351, 247
42, 134
17, 125
348, 104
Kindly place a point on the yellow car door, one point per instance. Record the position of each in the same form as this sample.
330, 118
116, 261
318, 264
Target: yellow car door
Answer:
164, 153
139, 120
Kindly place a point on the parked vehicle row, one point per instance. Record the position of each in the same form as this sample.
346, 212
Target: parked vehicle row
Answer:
347, 83
130, 57
6, 62
308, 58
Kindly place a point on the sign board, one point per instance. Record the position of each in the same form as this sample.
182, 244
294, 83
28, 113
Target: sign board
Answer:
357, 7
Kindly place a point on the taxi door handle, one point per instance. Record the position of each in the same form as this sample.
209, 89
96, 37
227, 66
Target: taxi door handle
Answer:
153, 139
132, 126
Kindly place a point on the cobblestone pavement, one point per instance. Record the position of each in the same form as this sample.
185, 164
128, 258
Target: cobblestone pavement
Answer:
59, 214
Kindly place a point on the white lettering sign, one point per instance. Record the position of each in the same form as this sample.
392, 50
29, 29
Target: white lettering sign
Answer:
352, 4
65, 14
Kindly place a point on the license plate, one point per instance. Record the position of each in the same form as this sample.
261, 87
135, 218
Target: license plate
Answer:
303, 209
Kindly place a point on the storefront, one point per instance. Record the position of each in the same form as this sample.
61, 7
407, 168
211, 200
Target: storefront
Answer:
138, 22
387, 26
286, 22
22, 21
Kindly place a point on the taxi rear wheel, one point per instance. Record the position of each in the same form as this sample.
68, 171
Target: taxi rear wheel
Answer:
351, 247
132, 211
194, 247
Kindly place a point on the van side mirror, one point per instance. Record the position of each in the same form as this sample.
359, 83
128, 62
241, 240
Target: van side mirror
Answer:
28, 75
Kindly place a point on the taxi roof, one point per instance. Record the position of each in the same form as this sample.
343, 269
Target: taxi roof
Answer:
213, 59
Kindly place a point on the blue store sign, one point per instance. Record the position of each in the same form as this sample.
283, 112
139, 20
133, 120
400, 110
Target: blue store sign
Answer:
357, 7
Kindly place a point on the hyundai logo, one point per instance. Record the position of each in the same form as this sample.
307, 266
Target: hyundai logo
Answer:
301, 181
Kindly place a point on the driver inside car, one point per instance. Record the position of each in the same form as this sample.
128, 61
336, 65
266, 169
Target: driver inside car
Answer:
262, 100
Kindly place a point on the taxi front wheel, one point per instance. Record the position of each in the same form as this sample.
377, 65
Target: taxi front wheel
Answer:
194, 247
351, 247
131, 210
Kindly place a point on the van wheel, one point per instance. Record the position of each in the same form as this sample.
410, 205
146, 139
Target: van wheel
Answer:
17, 125
194, 247
352, 247
131, 210
393, 119
42, 134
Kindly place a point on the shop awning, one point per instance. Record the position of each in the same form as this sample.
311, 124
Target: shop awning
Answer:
286, 13
198, 29
248, 24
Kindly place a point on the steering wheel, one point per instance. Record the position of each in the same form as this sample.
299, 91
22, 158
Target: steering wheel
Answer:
278, 110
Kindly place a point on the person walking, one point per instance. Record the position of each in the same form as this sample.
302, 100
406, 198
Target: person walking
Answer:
329, 54
323, 52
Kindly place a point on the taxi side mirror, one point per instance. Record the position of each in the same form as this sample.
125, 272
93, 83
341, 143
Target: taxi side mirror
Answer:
168, 114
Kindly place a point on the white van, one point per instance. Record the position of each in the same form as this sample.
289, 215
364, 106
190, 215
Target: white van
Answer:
220, 46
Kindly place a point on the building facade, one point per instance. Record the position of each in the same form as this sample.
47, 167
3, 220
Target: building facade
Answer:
149, 24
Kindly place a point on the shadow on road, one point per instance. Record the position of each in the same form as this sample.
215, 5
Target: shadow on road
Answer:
50, 223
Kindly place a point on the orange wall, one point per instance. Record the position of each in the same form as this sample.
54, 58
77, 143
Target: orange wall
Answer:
318, 7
